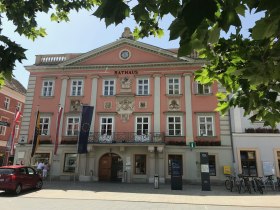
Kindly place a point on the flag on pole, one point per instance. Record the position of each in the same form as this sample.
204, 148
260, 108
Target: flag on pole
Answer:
84, 129
36, 134
57, 129
11, 141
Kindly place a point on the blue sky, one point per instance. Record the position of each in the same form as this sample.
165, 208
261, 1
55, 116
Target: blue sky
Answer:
81, 34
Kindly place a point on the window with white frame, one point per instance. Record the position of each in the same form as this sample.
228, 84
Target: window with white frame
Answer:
77, 87
173, 86
205, 125
19, 106
47, 88
44, 125
143, 87
2, 130
203, 89
16, 131
7, 103
106, 125
174, 125
109, 87
142, 125
72, 126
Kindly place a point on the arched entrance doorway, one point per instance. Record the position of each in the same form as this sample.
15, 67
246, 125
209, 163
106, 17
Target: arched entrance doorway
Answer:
110, 168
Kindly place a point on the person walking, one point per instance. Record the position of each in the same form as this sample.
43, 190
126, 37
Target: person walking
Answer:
46, 169
40, 167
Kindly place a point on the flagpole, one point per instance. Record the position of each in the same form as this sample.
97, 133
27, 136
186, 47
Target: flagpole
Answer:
33, 135
78, 154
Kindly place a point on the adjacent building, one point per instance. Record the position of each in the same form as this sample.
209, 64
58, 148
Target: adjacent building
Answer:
256, 147
148, 111
12, 98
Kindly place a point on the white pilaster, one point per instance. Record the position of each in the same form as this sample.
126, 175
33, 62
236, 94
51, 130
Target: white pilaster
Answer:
188, 108
157, 103
93, 100
62, 102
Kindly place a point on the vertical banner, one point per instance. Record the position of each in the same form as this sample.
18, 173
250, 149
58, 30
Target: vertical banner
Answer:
57, 129
84, 129
36, 135
11, 141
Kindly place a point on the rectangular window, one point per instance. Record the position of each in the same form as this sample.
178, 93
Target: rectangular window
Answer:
205, 126
203, 89
106, 126
173, 86
44, 125
2, 130
19, 106
70, 162
72, 126
174, 157
249, 163
140, 164
77, 88
143, 87
212, 165
40, 157
109, 87
47, 88
16, 131
7, 103
174, 126
142, 125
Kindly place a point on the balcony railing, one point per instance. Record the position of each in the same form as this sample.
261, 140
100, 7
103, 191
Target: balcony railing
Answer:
125, 137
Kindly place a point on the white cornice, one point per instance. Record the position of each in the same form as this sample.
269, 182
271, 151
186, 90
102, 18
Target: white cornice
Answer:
12, 94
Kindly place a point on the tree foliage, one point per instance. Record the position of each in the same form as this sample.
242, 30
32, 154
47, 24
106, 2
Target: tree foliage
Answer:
248, 68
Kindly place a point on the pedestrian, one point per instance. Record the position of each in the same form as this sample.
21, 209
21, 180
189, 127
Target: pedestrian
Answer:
46, 169
40, 167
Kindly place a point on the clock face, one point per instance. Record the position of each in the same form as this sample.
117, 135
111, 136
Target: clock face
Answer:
125, 54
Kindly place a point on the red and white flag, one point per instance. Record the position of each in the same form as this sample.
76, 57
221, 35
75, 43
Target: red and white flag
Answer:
11, 141
57, 129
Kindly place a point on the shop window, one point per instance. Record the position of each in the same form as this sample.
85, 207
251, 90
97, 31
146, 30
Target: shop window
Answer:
174, 157
248, 163
70, 162
40, 157
212, 165
278, 160
140, 164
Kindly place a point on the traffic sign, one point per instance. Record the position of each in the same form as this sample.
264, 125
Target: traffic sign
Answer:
4, 123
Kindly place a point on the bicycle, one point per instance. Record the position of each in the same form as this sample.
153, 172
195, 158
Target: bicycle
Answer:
269, 182
257, 184
244, 184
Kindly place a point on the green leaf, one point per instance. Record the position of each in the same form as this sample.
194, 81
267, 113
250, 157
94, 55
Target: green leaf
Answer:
265, 28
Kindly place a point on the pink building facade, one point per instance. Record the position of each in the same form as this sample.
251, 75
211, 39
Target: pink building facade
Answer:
147, 111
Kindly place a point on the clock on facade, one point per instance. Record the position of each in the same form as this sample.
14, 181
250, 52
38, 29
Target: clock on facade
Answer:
125, 54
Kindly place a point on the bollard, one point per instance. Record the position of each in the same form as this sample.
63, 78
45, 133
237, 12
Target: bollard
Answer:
156, 181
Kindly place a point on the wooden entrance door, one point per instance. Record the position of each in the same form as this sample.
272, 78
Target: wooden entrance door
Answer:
110, 168
105, 163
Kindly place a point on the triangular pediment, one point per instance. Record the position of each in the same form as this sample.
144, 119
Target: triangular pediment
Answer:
125, 51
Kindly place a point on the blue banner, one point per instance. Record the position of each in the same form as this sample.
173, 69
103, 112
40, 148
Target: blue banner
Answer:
84, 129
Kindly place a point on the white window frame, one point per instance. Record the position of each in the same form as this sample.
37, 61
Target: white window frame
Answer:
7, 103
143, 131
106, 124
109, 86
48, 88
75, 123
174, 123
16, 131
205, 132
205, 89
77, 89
171, 86
142, 92
45, 125
19, 106
3, 130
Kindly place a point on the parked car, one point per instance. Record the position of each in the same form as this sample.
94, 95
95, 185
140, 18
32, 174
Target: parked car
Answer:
16, 178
